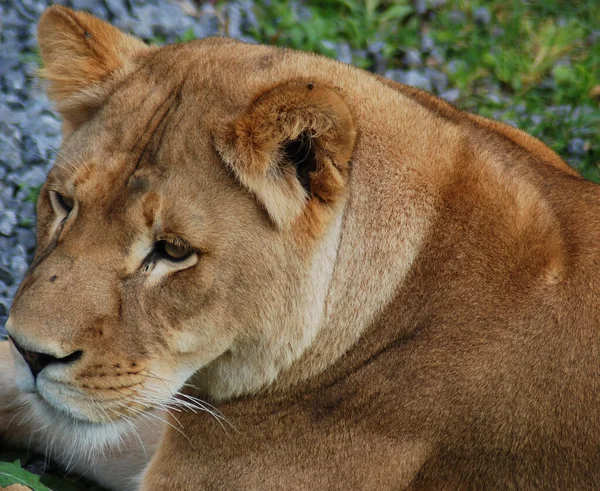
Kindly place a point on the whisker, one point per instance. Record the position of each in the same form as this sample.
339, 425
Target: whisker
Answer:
162, 407
24, 408
150, 415
128, 422
193, 403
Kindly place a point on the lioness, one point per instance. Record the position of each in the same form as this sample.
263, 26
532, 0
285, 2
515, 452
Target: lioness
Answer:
375, 289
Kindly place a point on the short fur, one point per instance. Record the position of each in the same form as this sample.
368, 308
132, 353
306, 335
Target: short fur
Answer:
411, 302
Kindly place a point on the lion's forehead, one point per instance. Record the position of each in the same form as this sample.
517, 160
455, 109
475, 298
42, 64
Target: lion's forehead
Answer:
146, 162
128, 209
149, 118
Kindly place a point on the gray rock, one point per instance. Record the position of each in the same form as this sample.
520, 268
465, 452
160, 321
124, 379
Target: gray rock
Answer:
593, 38
436, 56
8, 62
438, 79
144, 27
454, 66
208, 22
6, 275
427, 43
117, 8
420, 6
451, 95
343, 52
234, 20
302, 12
100, 10
84, 4
26, 212
482, 16
577, 146
172, 23
376, 47
8, 222
379, 64
18, 263
412, 58
418, 79
14, 80
395, 74
10, 157
250, 19
26, 239
537, 119
494, 97
34, 177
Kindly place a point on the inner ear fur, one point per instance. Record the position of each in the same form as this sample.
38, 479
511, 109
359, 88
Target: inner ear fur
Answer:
292, 145
80, 54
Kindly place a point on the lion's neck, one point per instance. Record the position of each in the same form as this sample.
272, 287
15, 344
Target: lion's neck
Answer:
392, 202
366, 275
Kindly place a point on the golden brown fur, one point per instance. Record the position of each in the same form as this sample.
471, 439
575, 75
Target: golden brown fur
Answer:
385, 292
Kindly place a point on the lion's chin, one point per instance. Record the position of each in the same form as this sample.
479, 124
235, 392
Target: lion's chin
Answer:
85, 436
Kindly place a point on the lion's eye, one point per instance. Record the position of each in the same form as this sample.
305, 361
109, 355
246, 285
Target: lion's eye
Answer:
62, 204
173, 252
66, 202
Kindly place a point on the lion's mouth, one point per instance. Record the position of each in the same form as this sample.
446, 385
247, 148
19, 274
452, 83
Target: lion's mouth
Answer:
95, 406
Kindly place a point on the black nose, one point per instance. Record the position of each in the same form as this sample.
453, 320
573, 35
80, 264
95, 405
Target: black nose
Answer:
38, 361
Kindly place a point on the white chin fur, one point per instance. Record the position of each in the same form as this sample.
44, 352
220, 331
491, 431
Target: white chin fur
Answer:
81, 438
87, 449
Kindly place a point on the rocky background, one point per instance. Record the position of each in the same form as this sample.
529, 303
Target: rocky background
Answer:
30, 130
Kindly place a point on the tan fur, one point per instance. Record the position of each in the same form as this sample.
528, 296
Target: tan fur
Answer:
411, 303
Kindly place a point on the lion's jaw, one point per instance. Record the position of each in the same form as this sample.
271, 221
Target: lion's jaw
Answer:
249, 300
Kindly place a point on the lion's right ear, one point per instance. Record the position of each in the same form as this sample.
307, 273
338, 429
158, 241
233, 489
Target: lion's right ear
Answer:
80, 56
291, 148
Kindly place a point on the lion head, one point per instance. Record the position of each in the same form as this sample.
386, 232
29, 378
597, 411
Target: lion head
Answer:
189, 227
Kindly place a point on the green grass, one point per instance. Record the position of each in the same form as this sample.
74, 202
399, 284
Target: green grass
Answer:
12, 472
535, 53
359, 23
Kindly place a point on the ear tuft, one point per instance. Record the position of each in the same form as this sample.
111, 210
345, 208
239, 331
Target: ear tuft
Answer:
79, 54
291, 146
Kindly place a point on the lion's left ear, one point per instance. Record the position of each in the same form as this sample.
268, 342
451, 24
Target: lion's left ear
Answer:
80, 55
292, 145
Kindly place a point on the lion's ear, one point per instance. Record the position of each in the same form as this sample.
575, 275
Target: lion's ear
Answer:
79, 55
292, 146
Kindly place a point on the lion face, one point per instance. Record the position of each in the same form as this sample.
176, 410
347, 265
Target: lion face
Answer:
188, 229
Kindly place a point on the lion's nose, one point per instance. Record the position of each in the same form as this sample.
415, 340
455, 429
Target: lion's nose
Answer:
38, 361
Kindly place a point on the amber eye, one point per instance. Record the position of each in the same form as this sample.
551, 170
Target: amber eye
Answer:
173, 252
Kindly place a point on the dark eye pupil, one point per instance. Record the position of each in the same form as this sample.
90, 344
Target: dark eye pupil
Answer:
66, 202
